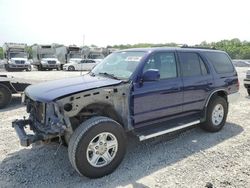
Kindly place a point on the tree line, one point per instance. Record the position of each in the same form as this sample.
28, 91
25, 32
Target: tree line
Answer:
236, 48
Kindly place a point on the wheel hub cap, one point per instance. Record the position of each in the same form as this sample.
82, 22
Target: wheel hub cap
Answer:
102, 149
217, 114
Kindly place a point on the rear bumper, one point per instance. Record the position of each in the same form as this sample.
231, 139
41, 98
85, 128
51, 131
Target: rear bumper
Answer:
232, 98
24, 138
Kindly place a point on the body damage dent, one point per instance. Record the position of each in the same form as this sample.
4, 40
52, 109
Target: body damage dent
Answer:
116, 97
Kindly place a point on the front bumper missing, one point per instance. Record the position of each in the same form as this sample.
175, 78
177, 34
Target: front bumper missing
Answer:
25, 139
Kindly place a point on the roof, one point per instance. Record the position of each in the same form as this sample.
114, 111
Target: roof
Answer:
158, 49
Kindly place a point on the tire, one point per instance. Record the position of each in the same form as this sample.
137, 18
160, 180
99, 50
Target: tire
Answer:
39, 67
5, 96
89, 132
28, 69
71, 68
248, 91
216, 114
7, 67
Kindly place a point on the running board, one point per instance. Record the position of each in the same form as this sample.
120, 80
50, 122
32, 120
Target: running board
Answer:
145, 137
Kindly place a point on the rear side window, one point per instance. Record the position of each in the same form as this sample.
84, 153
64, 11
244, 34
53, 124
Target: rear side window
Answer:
192, 64
220, 61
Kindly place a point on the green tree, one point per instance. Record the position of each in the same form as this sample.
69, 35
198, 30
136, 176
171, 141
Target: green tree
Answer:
1, 53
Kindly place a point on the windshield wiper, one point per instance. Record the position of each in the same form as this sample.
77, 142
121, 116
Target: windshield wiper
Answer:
109, 75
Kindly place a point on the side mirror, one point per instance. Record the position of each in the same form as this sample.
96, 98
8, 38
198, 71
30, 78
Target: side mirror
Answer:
151, 75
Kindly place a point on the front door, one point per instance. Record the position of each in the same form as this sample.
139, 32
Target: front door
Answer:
156, 101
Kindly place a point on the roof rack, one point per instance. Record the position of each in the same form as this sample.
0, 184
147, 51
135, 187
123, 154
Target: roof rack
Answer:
198, 47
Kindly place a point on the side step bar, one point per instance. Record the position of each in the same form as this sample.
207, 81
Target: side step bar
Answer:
145, 137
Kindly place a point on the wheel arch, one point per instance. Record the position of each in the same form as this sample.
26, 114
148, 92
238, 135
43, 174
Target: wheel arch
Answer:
220, 92
101, 109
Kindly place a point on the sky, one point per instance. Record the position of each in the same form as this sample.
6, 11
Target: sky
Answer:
109, 22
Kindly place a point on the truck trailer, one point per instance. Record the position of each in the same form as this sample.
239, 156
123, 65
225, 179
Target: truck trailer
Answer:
16, 57
67, 54
44, 57
10, 85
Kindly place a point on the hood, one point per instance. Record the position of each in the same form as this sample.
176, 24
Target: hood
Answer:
51, 90
70, 63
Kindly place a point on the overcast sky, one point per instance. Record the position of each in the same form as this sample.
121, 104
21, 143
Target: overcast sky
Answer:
108, 22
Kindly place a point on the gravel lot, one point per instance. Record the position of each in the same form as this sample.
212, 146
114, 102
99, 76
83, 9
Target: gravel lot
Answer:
193, 158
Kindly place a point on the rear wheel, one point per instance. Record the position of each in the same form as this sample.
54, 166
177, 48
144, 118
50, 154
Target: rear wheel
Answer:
216, 114
71, 68
248, 91
5, 96
97, 147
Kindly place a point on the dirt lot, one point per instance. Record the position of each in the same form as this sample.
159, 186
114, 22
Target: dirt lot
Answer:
191, 159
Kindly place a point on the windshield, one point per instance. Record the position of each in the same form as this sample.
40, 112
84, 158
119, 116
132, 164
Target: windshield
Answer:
48, 56
75, 55
18, 54
119, 64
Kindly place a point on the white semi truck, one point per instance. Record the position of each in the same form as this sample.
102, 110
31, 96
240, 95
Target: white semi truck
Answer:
97, 53
44, 57
68, 54
93, 53
16, 57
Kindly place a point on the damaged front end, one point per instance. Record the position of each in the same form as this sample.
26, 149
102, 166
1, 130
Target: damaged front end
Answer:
45, 120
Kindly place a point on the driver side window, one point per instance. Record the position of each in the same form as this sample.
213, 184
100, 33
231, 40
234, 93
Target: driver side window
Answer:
165, 62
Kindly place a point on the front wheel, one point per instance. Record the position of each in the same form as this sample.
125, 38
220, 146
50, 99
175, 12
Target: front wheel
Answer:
71, 68
216, 114
248, 91
97, 147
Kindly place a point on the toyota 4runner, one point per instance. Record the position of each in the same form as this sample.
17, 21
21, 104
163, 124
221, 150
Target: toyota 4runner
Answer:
148, 92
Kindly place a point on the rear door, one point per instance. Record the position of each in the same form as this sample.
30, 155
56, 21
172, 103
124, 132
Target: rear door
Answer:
197, 81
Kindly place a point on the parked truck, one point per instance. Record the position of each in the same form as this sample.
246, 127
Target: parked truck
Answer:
16, 57
44, 57
94, 53
10, 85
67, 54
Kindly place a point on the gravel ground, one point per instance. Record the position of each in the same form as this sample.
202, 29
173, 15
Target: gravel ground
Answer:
193, 158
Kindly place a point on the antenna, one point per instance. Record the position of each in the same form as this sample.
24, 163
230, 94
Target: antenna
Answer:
83, 41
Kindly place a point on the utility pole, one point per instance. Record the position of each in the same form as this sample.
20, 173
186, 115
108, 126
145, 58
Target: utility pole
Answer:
83, 40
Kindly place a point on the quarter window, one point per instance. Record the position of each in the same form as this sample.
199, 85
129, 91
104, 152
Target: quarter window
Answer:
220, 61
